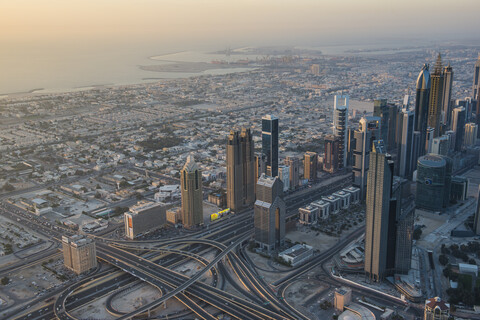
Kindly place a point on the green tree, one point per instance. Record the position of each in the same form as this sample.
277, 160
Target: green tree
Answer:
4, 281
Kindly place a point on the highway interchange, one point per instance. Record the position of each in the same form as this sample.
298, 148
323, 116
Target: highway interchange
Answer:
126, 264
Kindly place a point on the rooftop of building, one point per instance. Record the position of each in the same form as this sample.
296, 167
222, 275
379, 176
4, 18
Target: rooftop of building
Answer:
296, 250
144, 205
432, 160
265, 180
437, 302
190, 165
269, 117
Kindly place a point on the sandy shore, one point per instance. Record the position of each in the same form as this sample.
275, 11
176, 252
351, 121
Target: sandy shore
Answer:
188, 67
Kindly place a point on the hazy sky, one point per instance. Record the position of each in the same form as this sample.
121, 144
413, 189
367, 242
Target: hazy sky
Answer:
196, 23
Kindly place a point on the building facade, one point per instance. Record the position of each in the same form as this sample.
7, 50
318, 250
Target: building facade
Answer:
458, 126
340, 125
270, 144
330, 160
421, 107
471, 132
379, 184
310, 163
269, 213
284, 175
240, 170
192, 194
406, 123
436, 309
294, 164
79, 253
143, 217
436, 96
432, 181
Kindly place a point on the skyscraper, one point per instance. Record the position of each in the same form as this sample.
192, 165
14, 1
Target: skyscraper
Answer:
269, 213
340, 125
441, 145
436, 97
240, 170
388, 114
476, 220
421, 107
294, 164
470, 138
458, 125
476, 80
379, 187
310, 163
368, 131
79, 253
404, 236
430, 137
406, 123
447, 96
270, 143
192, 195
284, 175
330, 161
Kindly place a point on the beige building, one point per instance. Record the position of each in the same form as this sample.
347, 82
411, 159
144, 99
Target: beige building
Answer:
310, 162
174, 215
143, 217
192, 195
79, 253
436, 309
343, 297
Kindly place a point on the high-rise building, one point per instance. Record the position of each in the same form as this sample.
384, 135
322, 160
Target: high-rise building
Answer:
458, 125
436, 96
368, 131
310, 163
470, 138
294, 164
260, 166
340, 125
388, 115
240, 170
79, 253
476, 220
441, 145
192, 195
269, 213
284, 175
421, 107
436, 309
433, 182
330, 160
404, 236
476, 80
451, 138
406, 123
447, 96
379, 185
143, 217
270, 143
430, 136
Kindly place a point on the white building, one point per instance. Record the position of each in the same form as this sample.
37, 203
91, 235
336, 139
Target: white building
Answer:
297, 254
344, 198
323, 208
284, 175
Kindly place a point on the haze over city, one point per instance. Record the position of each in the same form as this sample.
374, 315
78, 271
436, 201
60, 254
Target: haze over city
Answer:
210, 159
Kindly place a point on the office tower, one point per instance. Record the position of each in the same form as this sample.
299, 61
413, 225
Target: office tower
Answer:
270, 143
79, 253
451, 138
143, 217
340, 125
430, 136
343, 297
433, 182
436, 96
467, 104
476, 80
470, 138
416, 149
368, 131
388, 115
294, 164
240, 170
260, 166
192, 195
458, 124
476, 220
406, 123
284, 175
441, 145
330, 161
404, 236
421, 107
436, 309
310, 163
269, 213
379, 187
447, 96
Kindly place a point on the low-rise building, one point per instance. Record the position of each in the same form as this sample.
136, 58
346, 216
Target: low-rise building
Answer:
174, 215
344, 198
323, 208
79, 254
334, 203
436, 309
308, 215
355, 194
218, 199
343, 297
144, 217
297, 254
